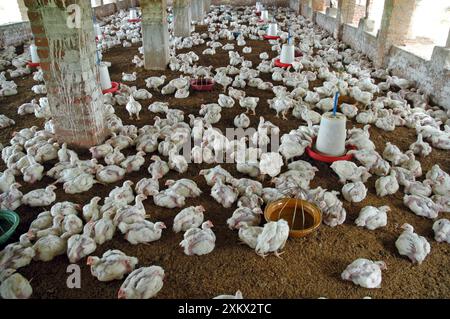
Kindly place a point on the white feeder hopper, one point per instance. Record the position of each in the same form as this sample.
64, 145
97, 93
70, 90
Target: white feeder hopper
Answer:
105, 80
34, 54
272, 30
259, 7
287, 54
133, 14
332, 134
265, 15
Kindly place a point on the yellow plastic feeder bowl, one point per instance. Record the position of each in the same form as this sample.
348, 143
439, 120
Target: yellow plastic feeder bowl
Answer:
292, 210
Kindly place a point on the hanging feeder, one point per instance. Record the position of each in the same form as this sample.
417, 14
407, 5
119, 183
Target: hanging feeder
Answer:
35, 61
279, 64
202, 84
8, 224
303, 217
330, 144
114, 88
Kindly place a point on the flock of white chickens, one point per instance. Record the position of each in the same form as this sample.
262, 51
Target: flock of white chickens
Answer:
68, 228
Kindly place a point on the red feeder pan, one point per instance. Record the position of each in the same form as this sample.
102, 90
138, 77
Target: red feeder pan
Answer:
282, 65
202, 84
271, 37
33, 65
314, 154
114, 88
134, 20
261, 21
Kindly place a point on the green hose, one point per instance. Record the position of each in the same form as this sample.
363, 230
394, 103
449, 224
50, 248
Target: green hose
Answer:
11, 220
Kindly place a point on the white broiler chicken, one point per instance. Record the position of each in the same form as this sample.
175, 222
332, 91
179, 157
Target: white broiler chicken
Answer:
349, 171
420, 147
224, 194
16, 255
249, 103
364, 272
422, 206
184, 187
142, 232
270, 164
272, 238
40, 197
387, 185
244, 215
133, 107
249, 234
191, 217
169, 199
241, 121
354, 192
142, 283
147, 187
393, 154
113, 265
80, 246
372, 217
91, 211
199, 241
409, 244
14, 285
158, 168
48, 247
441, 230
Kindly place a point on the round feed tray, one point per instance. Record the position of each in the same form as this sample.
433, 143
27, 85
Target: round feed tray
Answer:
134, 20
8, 224
303, 217
271, 37
282, 65
33, 65
316, 155
202, 84
113, 89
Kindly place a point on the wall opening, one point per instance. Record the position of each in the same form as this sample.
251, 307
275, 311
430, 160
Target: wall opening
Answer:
429, 28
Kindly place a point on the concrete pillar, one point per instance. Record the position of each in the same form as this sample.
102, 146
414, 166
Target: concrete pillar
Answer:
66, 47
198, 11
182, 18
206, 6
155, 33
395, 27
448, 40
295, 5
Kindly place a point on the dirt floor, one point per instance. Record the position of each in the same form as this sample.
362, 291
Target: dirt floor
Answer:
310, 267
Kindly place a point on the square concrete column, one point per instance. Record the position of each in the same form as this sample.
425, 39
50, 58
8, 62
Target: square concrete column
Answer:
64, 35
295, 5
155, 33
182, 18
198, 10
395, 27
206, 6
448, 40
